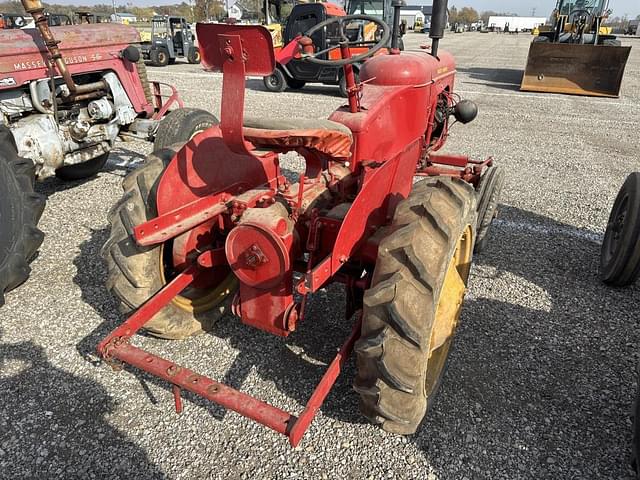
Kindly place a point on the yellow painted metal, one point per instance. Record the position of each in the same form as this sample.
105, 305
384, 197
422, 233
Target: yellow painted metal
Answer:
449, 308
593, 70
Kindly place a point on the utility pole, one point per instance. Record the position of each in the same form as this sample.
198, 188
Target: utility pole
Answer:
533, 12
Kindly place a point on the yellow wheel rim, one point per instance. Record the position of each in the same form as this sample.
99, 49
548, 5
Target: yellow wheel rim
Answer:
448, 309
202, 300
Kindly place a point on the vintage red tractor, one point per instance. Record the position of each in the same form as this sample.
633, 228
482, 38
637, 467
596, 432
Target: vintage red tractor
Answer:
66, 94
215, 220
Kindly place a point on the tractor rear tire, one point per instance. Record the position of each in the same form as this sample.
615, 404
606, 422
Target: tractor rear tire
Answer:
489, 192
159, 57
194, 55
20, 210
413, 306
136, 273
179, 126
620, 254
82, 170
276, 82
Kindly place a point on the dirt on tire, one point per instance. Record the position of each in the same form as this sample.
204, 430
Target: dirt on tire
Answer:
20, 211
400, 307
135, 271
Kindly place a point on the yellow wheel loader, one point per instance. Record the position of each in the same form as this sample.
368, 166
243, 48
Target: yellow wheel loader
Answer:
578, 55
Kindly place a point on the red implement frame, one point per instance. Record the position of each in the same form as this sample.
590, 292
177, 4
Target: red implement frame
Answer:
116, 346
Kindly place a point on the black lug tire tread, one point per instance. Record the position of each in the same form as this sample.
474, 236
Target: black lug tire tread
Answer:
82, 170
144, 79
192, 55
624, 267
134, 271
399, 308
490, 191
294, 83
282, 83
17, 177
178, 126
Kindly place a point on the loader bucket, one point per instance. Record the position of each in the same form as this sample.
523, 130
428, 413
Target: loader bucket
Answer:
593, 70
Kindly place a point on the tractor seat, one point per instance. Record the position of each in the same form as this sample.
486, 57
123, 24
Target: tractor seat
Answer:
323, 136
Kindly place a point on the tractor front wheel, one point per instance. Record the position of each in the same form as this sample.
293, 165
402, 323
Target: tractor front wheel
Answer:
180, 126
136, 273
620, 254
20, 210
489, 191
413, 306
276, 82
159, 57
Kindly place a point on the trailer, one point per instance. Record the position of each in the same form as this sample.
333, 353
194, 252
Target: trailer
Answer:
522, 24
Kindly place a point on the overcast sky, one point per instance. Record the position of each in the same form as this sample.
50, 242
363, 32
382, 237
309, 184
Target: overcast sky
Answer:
520, 7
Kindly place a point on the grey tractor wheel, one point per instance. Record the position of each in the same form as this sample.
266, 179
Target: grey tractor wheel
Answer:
82, 170
20, 210
194, 55
136, 273
179, 126
620, 253
159, 57
413, 306
276, 82
489, 191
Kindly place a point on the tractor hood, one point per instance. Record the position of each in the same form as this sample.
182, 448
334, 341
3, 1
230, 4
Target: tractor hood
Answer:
409, 68
24, 50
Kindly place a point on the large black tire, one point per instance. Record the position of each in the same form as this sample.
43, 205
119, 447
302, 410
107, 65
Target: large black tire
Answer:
276, 82
620, 253
635, 417
159, 57
82, 170
193, 56
144, 79
179, 126
402, 352
136, 273
20, 211
489, 191
293, 83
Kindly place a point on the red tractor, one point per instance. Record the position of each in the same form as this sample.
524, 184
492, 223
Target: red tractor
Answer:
66, 94
213, 225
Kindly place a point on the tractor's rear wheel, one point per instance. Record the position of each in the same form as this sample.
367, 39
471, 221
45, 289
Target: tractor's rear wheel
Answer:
180, 126
620, 253
413, 306
136, 273
20, 210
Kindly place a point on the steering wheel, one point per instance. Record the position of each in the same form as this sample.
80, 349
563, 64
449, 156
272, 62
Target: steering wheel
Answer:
344, 41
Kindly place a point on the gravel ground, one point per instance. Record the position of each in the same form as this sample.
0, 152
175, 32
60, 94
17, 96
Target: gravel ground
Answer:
541, 381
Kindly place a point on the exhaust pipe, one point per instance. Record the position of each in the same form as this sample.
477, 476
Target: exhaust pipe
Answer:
36, 10
438, 24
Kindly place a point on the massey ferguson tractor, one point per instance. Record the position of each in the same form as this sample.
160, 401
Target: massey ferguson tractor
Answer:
66, 94
213, 225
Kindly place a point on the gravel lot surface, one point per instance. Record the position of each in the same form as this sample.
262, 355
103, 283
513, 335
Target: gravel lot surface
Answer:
540, 383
